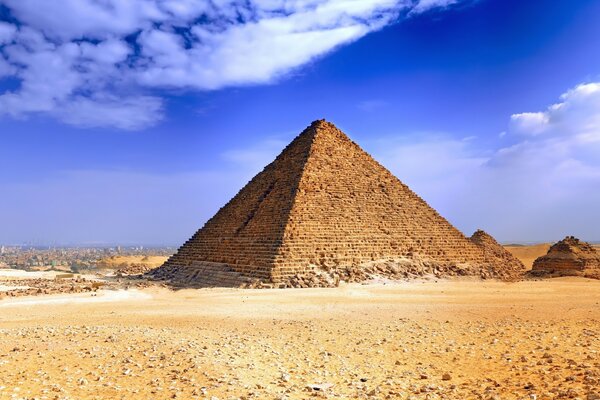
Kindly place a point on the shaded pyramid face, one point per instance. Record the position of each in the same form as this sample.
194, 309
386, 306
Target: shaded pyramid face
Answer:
323, 202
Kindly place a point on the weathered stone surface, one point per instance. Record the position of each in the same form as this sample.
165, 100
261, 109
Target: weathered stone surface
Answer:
570, 256
326, 207
502, 263
133, 269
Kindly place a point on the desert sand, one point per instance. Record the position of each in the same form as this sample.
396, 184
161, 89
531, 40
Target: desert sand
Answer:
528, 254
124, 261
458, 339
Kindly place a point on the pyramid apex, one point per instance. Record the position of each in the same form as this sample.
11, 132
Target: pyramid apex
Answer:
319, 122
322, 123
323, 128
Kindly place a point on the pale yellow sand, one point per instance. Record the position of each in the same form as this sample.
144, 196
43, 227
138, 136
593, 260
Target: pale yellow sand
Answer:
22, 274
120, 261
495, 340
528, 254
100, 296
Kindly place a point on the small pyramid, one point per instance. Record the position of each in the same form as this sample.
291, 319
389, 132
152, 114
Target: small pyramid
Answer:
496, 255
569, 256
322, 203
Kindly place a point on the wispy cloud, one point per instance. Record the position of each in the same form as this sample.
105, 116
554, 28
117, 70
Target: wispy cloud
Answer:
7, 32
543, 185
94, 58
576, 116
425, 5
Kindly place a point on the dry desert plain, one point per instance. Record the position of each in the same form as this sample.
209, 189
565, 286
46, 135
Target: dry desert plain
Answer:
423, 339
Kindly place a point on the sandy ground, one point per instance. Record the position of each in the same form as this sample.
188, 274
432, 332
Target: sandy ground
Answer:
421, 340
121, 261
528, 254
22, 274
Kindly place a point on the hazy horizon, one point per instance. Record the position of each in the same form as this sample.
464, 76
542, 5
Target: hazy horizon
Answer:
134, 122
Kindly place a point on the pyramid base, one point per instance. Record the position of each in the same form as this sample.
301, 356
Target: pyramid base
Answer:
396, 269
201, 274
209, 274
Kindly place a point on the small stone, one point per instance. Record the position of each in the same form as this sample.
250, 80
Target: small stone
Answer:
320, 387
446, 377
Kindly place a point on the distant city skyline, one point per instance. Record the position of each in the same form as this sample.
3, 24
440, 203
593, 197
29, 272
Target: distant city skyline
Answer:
134, 122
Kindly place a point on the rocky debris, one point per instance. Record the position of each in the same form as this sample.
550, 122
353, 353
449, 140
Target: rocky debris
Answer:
501, 263
394, 269
570, 256
201, 275
134, 269
71, 285
404, 268
34, 287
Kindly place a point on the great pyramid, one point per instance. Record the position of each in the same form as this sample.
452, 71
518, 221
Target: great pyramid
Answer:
325, 205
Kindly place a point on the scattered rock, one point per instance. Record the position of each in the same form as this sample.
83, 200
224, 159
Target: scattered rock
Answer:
320, 386
570, 256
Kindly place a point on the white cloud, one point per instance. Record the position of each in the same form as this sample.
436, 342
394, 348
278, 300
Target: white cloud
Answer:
74, 54
7, 32
530, 123
543, 186
564, 139
128, 113
576, 116
5, 68
261, 49
425, 5
110, 51
74, 19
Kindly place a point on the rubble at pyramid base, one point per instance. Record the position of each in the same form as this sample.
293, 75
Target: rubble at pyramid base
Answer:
207, 274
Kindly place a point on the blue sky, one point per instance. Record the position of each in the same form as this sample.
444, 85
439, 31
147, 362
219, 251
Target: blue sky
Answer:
134, 122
